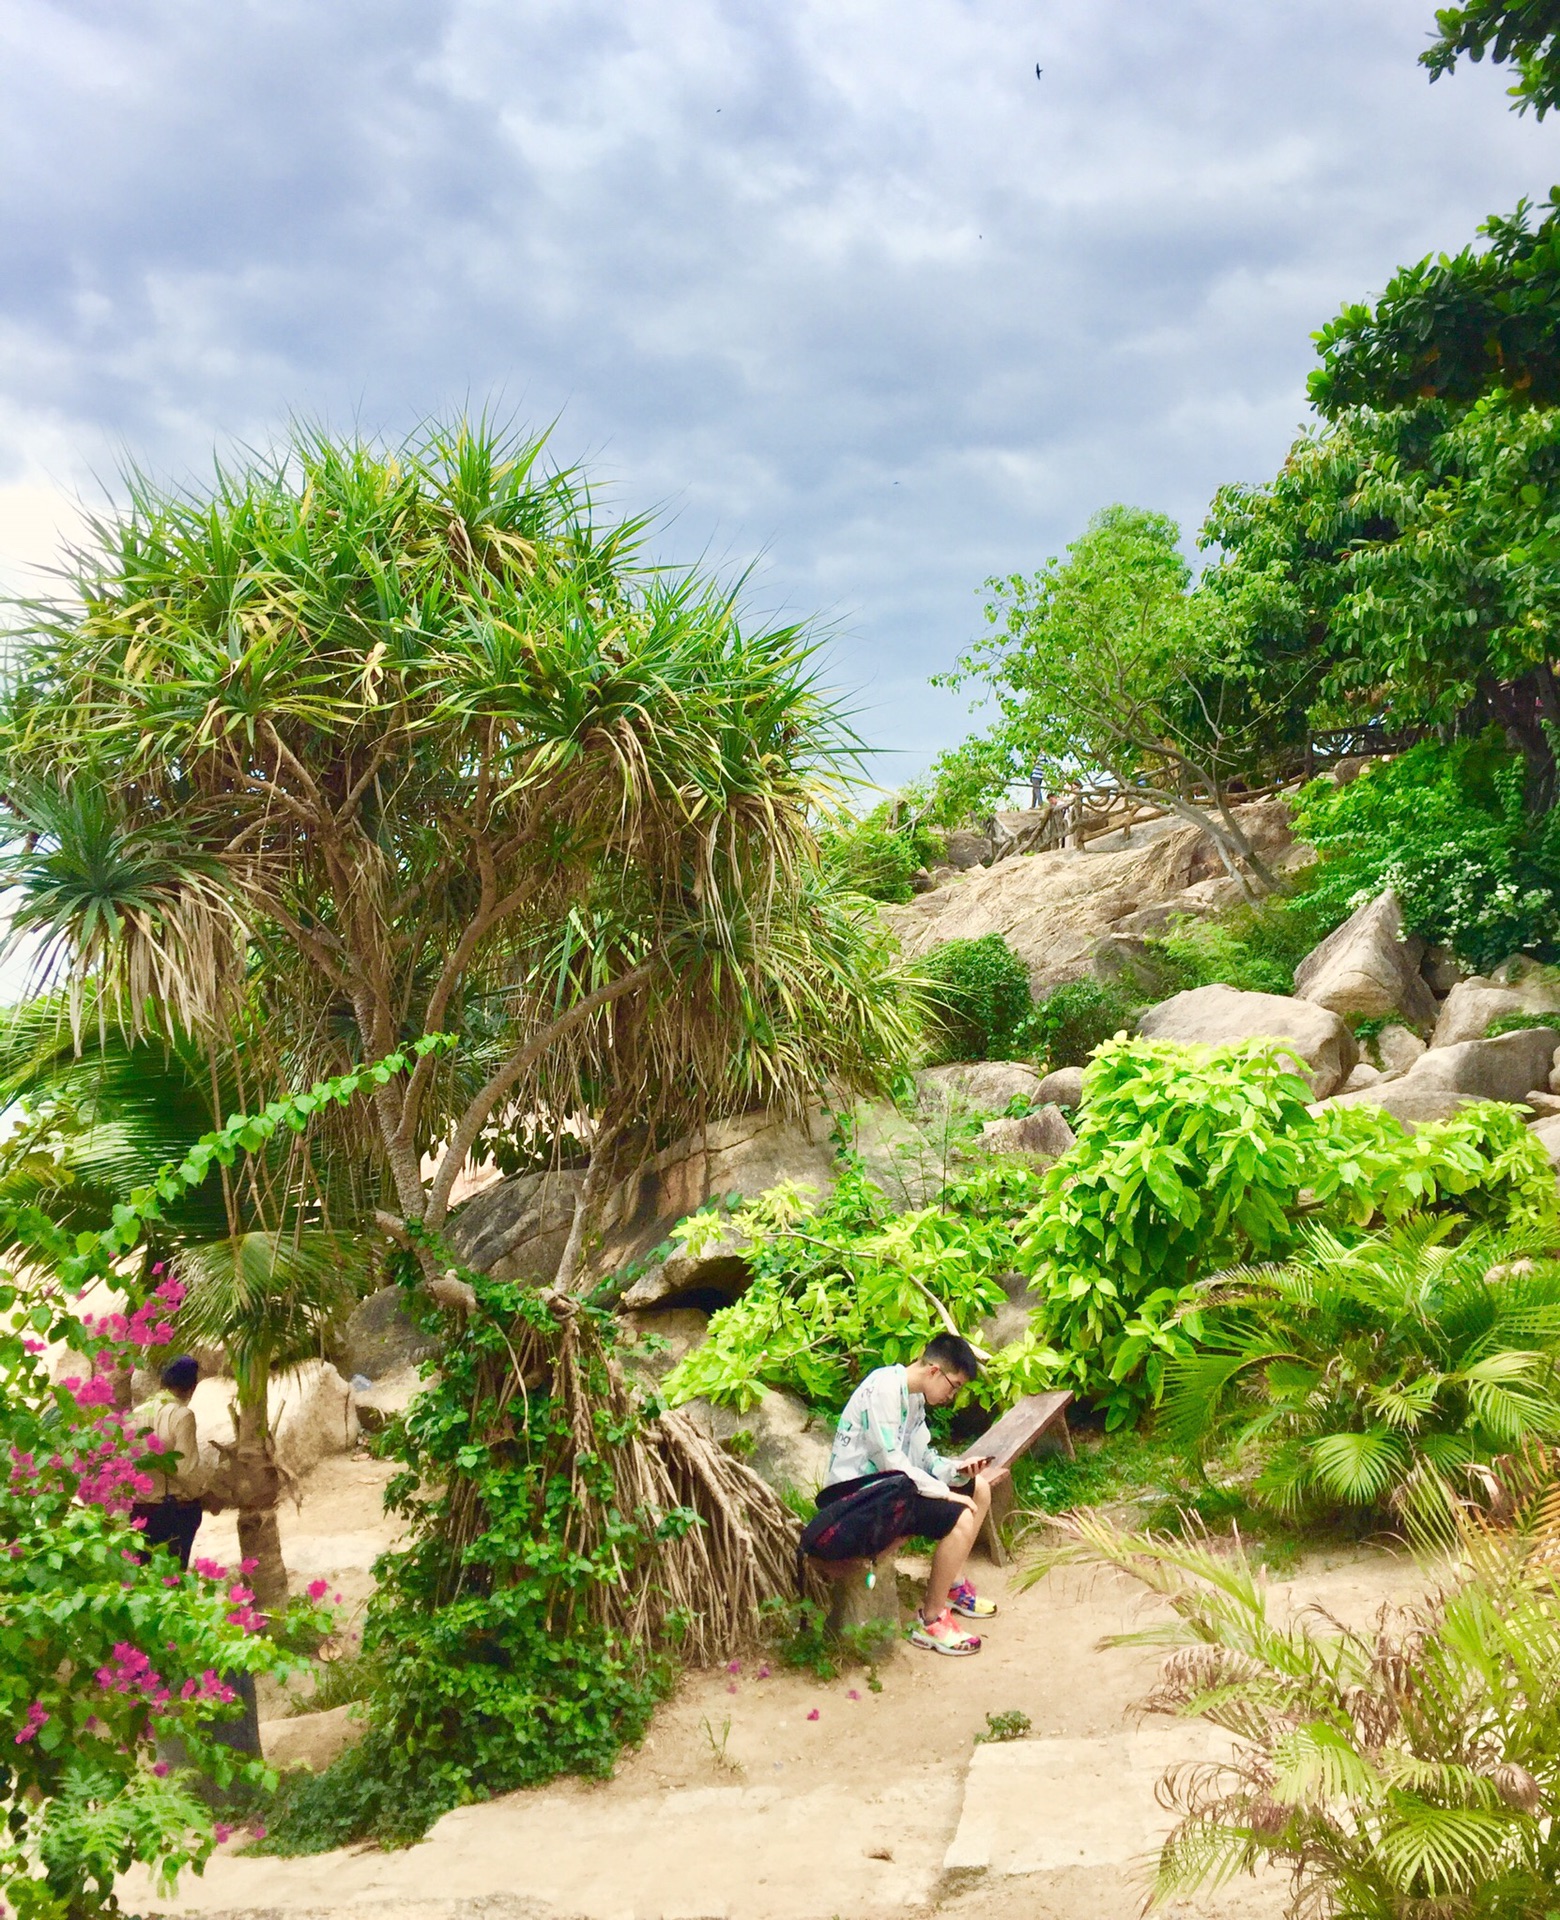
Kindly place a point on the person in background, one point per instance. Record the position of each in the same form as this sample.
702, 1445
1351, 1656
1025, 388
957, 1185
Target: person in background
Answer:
170, 1515
1037, 785
882, 1441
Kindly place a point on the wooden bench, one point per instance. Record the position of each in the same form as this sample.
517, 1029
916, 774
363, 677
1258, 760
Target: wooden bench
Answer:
1024, 1425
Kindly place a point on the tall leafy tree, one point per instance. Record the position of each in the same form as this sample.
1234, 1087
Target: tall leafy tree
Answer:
1110, 666
400, 740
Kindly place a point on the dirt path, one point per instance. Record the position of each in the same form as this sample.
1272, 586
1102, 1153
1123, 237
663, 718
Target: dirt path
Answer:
774, 1796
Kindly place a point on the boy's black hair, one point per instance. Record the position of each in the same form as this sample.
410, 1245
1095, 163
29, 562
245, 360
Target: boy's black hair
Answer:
953, 1355
181, 1375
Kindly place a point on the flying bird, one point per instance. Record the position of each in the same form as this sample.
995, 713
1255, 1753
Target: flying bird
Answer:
1037, 69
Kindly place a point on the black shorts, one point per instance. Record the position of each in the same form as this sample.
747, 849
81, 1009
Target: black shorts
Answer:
859, 1519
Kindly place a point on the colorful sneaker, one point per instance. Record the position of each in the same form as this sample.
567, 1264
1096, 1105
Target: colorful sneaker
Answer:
963, 1599
943, 1636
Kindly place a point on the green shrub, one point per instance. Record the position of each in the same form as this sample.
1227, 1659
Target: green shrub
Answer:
1373, 1375
849, 1287
1520, 1023
1070, 1021
878, 853
1254, 948
487, 1668
1445, 826
980, 1000
1410, 1767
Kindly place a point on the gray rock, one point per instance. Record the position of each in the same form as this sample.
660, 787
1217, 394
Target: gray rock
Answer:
1350, 767
1442, 969
1038, 1136
1547, 1134
1397, 1049
1412, 1105
380, 1338
1545, 1105
1504, 1068
780, 1438
1366, 967
720, 1267
921, 881
516, 1230
656, 1342
1364, 1075
1010, 1322
966, 848
1054, 907
1218, 1015
979, 1086
1517, 985
744, 1155
1062, 1087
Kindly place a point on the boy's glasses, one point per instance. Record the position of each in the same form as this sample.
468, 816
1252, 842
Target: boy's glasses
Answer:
954, 1382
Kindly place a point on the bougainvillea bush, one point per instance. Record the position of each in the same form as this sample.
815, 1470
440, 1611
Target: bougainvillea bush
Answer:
101, 1656
107, 1653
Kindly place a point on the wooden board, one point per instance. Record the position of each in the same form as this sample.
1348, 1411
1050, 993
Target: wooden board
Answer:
1019, 1428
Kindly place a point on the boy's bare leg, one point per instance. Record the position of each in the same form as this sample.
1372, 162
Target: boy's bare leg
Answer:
954, 1549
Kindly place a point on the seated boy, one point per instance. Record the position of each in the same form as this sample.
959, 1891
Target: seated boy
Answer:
883, 1432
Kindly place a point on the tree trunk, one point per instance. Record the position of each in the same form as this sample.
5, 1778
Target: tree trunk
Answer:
257, 1485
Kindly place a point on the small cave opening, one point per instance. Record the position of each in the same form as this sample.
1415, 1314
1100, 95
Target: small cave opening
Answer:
717, 1283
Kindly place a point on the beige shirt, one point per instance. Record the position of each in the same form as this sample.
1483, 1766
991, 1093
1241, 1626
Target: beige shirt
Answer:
174, 1425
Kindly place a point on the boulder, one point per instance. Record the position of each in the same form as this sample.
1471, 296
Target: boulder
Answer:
387, 1397
1504, 1068
979, 1086
1411, 1104
780, 1439
656, 1342
1364, 1075
311, 1409
311, 1740
1044, 1135
517, 1229
745, 1155
965, 847
1516, 986
1547, 1134
1442, 969
1062, 1087
718, 1268
1366, 967
1218, 1015
1397, 1049
1054, 907
1545, 1105
381, 1338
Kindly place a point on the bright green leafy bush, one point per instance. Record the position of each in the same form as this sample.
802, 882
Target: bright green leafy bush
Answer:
1190, 1159
980, 1001
1446, 827
878, 853
1254, 948
852, 1286
1372, 1375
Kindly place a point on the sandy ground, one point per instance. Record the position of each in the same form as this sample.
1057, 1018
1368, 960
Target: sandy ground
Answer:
778, 1797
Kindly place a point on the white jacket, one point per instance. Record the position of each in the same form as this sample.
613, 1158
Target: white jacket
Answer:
883, 1430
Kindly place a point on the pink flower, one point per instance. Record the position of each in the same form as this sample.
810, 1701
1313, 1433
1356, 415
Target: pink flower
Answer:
733, 1666
318, 1590
249, 1565
223, 1833
35, 1719
763, 1673
813, 1715
209, 1570
259, 1829
161, 1769
170, 1579
240, 1596
731, 1686
853, 1695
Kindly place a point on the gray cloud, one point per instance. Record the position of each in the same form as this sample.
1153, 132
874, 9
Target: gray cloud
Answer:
838, 281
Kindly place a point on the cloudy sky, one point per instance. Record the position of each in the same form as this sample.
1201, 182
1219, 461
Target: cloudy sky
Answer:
837, 284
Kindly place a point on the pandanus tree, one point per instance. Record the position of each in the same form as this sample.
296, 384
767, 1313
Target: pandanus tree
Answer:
392, 743
267, 1265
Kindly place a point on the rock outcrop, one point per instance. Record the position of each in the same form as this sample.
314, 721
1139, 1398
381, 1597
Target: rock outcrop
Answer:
781, 1439
1412, 1104
1397, 1048
1473, 1005
978, 1086
1054, 908
517, 1229
1504, 1068
1218, 1015
1367, 967
381, 1338
1062, 1087
1044, 1135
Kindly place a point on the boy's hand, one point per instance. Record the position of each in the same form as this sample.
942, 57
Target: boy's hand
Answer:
968, 1469
991, 1476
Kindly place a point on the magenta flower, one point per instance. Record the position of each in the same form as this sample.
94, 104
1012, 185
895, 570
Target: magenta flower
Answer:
318, 1590
853, 1695
763, 1673
160, 1768
813, 1715
223, 1833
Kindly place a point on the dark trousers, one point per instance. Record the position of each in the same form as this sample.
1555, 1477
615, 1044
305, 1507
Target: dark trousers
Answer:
169, 1523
